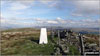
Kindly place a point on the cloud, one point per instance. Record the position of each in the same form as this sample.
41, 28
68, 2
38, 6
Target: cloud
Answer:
50, 22
76, 14
18, 6
80, 8
1, 15
25, 8
60, 20
12, 23
86, 8
45, 21
14, 8
1, 18
69, 23
50, 3
16, 22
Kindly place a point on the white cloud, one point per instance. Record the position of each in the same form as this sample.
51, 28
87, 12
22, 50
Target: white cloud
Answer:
47, 22
82, 8
18, 6
69, 23
49, 3
1, 15
45, 1
1, 18
86, 7
30, 2
15, 8
76, 14
12, 23
16, 22
52, 22
60, 20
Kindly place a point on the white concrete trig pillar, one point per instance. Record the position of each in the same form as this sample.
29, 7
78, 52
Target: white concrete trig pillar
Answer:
43, 36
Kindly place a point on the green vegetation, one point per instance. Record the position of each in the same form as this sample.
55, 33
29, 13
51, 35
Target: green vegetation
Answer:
25, 45
92, 38
92, 35
20, 30
73, 50
90, 41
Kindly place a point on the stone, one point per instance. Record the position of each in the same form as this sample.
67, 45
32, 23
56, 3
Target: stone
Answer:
43, 36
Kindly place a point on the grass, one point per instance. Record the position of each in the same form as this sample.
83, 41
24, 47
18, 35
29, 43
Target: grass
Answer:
28, 48
28, 45
21, 30
73, 50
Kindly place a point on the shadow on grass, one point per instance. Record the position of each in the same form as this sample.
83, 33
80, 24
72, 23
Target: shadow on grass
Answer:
34, 40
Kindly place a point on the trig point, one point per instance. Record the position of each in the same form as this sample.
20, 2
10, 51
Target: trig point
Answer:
43, 36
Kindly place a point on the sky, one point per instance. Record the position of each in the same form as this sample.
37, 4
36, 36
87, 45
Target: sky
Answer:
31, 13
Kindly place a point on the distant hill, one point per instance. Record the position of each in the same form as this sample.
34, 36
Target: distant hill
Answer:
79, 30
86, 30
20, 29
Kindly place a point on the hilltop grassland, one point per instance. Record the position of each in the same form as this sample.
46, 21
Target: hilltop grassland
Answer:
23, 41
92, 38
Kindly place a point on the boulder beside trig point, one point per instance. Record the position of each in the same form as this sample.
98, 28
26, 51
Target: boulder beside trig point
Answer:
43, 36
